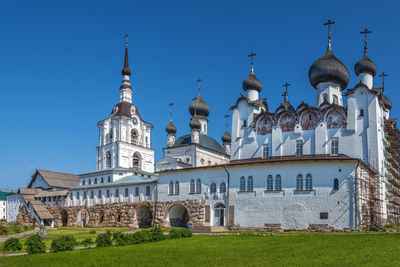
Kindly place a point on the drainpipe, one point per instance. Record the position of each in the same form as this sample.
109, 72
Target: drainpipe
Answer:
156, 202
86, 193
227, 194
355, 196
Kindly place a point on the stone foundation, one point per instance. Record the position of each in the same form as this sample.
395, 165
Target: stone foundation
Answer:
24, 217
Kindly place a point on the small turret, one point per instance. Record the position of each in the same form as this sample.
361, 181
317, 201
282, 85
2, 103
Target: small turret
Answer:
251, 85
126, 88
365, 68
195, 127
171, 129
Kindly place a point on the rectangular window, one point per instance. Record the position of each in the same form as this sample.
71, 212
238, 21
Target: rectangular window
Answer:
323, 215
137, 191
116, 192
108, 193
84, 195
109, 179
126, 192
244, 124
99, 193
299, 147
265, 151
147, 190
361, 113
91, 194
83, 182
90, 181
335, 146
77, 195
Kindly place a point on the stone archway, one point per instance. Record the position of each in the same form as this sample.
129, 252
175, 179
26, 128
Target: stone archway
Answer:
82, 218
144, 216
178, 215
64, 217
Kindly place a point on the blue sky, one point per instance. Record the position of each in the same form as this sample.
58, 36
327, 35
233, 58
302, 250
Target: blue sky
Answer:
60, 64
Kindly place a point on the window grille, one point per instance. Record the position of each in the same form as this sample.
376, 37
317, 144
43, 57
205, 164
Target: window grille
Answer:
250, 184
335, 146
270, 183
242, 184
299, 182
299, 147
309, 182
278, 182
213, 188
265, 151
177, 188
222, 187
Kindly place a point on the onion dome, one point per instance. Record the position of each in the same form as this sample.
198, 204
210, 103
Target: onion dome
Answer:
386, 102
329, 69
365, 65
194, 123
199, 107
126, 70
252, 83
226, 138
170, 129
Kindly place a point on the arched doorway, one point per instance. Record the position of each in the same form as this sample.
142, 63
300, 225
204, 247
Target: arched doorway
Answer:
136, 161
64, 218
178, 216
144, 216
219, 214
82, 218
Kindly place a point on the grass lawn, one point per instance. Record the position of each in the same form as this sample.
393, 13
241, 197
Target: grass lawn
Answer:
295, 250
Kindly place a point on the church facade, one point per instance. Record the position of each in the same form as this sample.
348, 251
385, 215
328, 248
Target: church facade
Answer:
326, 166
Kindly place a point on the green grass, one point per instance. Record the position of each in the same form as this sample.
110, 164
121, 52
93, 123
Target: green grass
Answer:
299, 250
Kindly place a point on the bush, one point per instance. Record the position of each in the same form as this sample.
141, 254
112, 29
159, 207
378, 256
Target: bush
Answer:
178, 233
92, 232
142, 237
123, 239
104, 240
35, 245
87, 242
63, 243
3, 230
12, 244
157, 234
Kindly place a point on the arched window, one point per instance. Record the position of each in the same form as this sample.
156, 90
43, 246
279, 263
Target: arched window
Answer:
278, 182
83, 182
213, 188
198, 186
119, 217
108, 159
336, 184
95, 180
335, 100
250, 184
171, 188
147, 190
222, 187
102, 180
242, 184
177, 188
126, 192
90, 181
77, 195
108, 193
99, 194
137, 191
299, 182
191, 187
270, 183
133, 137
136, 161
308, 182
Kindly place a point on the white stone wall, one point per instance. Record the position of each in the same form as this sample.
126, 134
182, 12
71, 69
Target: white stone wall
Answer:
288, 207
3, 209
13, 202
40, 183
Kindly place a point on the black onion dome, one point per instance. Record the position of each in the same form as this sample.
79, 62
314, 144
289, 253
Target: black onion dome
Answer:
365, 65
194, 124
252, 83
170, 128
226, 138
329, 69
386, 102
200, 106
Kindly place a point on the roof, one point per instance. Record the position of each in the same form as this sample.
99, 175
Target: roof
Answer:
129, 180
52, 193
29, 194
271, 160
204, 141
3, 195
57, 179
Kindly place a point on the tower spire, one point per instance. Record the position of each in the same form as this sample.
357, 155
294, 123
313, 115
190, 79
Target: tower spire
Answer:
126, 70
329, 23
252, 61
170, 106
198, 84
365, 32
383, 75
286, 94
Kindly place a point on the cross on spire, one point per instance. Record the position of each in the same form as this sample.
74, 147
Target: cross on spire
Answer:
329, 23
365, 32
226, 121
252, 55
383, 75
286, 94
170, 106
198, 83
126, 38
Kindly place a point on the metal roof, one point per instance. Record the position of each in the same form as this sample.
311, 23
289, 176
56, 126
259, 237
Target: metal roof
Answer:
205, 141
129, 180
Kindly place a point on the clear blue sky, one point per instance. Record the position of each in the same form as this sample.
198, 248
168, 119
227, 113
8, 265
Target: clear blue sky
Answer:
60, 64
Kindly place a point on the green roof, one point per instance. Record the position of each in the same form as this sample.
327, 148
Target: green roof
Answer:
3, 195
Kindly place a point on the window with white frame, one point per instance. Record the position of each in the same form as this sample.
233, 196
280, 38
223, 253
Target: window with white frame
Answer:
299, 147
265, 151
191, 187
91, 194
335, 146
309, 182
336, 184
171, 188
137, 191
83, 182
108, 193
299, 182
213, 188
99, 193
278, 182
250, 184
242, 186
177, 188
117, 192
222, 187
198, 186
270, 183
126, 192
147, 190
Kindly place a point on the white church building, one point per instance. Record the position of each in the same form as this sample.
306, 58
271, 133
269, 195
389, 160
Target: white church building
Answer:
326, 166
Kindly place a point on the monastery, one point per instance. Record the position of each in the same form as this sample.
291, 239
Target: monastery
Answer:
325, 166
